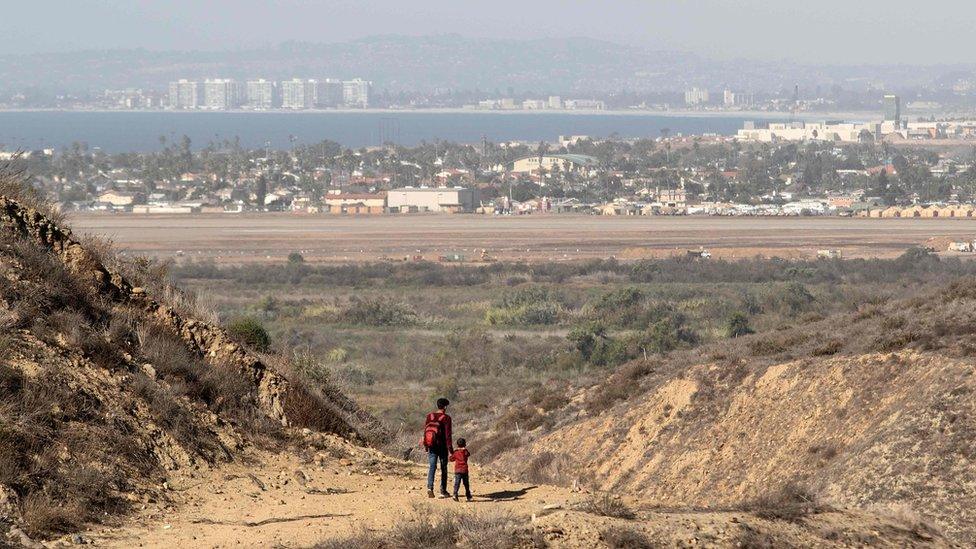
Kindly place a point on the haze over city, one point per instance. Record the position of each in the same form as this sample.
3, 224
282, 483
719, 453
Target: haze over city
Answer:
823, 32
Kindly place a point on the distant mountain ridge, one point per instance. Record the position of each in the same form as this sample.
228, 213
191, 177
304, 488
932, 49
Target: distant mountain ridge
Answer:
448, 61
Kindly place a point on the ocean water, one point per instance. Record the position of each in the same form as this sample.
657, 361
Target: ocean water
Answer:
141, 131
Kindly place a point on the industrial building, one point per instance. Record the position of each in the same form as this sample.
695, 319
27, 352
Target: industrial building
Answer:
565, 162
437, 199
355, 203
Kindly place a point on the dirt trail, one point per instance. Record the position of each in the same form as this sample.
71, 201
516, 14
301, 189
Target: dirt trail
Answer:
282, 501
291, 500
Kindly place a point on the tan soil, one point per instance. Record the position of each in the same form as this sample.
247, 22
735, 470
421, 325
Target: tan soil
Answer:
871, 429
231, 238
366, 490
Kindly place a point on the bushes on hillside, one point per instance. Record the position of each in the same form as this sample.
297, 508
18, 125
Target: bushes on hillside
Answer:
370, 311
790, 299
664, 336
737, 325
915, 265
251, 332
525, 307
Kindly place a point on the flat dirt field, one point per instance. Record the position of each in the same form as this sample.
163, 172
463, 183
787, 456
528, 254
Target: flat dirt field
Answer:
229, 238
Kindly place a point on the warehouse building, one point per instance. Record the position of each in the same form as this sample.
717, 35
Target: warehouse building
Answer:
438, 199
579, 163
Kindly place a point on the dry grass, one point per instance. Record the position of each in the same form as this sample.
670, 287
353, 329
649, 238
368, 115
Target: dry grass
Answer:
621, 385
791, 503
423, 530
908, 518
306, 409
12, 185
623, 537
605, 505
495, 445
65, 459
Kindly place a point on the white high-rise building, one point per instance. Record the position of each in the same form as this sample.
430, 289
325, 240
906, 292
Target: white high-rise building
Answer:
298, 93
728, 98
329, 93
222, 93
185, 94
355, 93
555, 102
261, 94
696, 96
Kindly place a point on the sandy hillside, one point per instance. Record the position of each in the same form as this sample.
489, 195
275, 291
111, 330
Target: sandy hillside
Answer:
820, 407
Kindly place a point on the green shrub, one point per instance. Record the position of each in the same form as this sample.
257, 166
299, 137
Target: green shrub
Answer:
664, 336
617, 299
791, 298
378, 312
525, 307
251, 332
524, 315
586, 338
528, 296
737, 325
611, 352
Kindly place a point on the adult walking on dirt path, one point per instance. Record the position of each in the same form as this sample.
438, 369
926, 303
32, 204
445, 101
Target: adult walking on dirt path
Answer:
439, 445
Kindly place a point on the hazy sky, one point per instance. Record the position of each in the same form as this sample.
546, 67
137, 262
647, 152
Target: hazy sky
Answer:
828, 31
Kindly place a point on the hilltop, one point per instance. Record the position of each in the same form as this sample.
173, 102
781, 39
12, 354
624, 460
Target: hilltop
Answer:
399, 63
868, 410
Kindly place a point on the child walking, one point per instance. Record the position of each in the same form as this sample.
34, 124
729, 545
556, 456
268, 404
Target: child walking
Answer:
460, 459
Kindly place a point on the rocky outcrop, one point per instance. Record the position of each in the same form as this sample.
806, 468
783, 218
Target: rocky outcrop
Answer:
201, 338
216, 346
34, 226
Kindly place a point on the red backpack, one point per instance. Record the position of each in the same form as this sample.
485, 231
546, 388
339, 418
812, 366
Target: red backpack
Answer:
433, 430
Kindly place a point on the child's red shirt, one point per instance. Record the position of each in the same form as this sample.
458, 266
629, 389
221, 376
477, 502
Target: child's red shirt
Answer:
460, 459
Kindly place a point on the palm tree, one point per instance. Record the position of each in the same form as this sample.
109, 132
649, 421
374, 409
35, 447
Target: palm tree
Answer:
542, 149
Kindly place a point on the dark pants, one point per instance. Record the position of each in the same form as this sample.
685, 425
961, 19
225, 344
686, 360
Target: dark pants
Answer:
458, 479
432, 458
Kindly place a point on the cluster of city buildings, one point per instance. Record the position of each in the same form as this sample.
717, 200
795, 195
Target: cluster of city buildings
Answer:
456, 199
892, 127
553, 102
699, 97
261, 94
858, 132
124, 196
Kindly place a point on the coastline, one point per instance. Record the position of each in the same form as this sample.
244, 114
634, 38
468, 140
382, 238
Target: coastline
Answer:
758, 115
